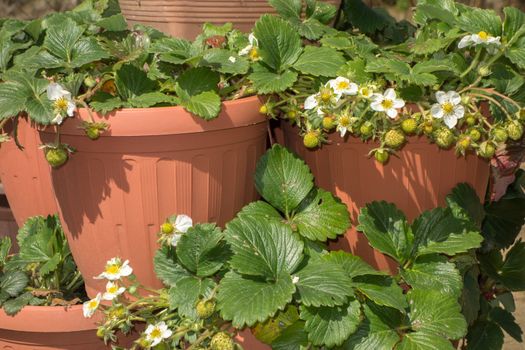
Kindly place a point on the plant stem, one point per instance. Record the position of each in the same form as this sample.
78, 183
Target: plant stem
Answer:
474, 63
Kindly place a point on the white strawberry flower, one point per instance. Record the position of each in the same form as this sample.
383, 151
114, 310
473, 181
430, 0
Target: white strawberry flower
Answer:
312, 103
343, 124
448, 108
343, 86
90, 306
387, 103
254, 44
181, 224
481, 38
156, 333
115, 270
113, 290
63, 104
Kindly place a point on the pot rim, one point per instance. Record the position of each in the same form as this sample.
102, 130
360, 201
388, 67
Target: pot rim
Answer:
49, 319
159, 121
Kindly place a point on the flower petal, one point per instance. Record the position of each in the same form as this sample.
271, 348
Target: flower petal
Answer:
183, 223
450, 120
441, 97
311, 102
459, 112
392, 113
399, 103
390, 94
465, 41
454, 97
437, 111
377, 106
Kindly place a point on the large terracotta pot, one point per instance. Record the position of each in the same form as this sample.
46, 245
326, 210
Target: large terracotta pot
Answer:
49, 328
114, 193
183, 18
8, 226
418, 179
25, 175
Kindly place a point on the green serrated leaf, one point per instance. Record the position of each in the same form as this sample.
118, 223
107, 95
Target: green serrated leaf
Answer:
320, 61
507, 322
265, 249
279, 43
283, 179
202, 250
353, 265
259, 299
13, 283
434, 313
225, 61
321, 216
13, 306
104, 103
267, 82
185, 294
260, 210
476, 20
50, 265
377, 331
382, 290
331, 326
132, 81
485, 335
12, 99
424, 341
206, 105
292, 338
167, 270
435, 273
387, 230
323, 283
195, 81
149, 99
463, 197
289, 9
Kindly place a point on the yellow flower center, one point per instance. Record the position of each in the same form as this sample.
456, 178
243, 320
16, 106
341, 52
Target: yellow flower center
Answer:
387, 104
365, 91
93, 304
254, 54
112, 269
113, 289
344, 121
483, 36
343, 85
155, 333
61, 104
447, 107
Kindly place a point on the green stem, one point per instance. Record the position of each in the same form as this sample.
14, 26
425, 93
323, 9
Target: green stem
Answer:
474, 63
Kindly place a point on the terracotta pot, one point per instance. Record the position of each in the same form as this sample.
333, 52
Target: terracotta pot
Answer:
249, 342
114, 193
8, 226
183, 18
49, 328
418, 179
25, 175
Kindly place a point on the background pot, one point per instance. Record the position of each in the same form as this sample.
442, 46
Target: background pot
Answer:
49, 328
184, 18
418, 179
114, 193
25, 175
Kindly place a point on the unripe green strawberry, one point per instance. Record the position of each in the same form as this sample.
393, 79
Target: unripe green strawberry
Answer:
499, 134
205, 308
264, 109
382, 155
444, 137
487, 149
471, 120
90, 82
394, 138
515, 130
56, 157
366, 129
167, 228
93, 133
311, 139
221, 341
328, 123
463, 143
475, 135
409, 126
428, 127
292, 114
100, 332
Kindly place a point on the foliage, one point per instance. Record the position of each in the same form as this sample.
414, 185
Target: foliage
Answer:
268, 272
43, 272
496, 270
435, 80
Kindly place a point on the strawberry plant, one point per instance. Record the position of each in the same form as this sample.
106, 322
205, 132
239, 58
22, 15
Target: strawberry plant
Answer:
454, 77
43, 272
270, 270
